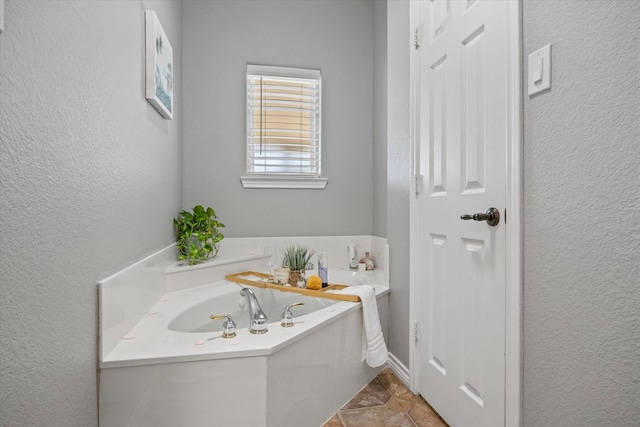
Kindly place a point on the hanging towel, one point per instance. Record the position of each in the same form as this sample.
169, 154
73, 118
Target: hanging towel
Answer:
374, 349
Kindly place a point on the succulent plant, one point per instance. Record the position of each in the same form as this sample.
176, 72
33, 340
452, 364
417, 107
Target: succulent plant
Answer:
297, 257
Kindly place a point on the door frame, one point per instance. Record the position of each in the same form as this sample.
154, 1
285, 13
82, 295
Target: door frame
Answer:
513, 206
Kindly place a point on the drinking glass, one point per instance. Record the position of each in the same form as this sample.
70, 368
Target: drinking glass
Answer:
269, 257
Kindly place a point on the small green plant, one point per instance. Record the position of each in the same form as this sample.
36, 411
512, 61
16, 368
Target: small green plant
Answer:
197, 235
297, 257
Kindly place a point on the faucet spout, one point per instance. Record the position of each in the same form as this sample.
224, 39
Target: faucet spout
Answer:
257, 318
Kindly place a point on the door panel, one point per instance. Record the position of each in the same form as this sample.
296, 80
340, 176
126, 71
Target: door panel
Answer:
437, 303
473, 120
438, 126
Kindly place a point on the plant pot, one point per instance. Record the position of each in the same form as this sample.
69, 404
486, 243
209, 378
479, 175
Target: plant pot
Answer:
200, 256
295, 276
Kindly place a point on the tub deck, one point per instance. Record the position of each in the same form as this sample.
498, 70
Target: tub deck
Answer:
152, 342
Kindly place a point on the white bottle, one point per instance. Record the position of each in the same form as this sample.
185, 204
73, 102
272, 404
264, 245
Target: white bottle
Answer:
353, 262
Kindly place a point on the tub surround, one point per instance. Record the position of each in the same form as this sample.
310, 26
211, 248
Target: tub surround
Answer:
153, 376
126, 297
236, 250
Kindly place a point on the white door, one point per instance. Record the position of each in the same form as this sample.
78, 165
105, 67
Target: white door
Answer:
462, 133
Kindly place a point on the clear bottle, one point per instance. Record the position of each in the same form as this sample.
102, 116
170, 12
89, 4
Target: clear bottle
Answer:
323, 268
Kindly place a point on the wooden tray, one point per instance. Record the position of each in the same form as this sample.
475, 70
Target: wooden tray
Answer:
238, 278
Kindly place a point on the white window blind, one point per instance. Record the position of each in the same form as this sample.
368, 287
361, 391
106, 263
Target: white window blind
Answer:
283, 122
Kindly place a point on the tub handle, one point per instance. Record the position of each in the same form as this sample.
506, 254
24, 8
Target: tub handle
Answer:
287, 316
228, 327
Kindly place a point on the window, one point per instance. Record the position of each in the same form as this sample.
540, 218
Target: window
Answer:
283, 128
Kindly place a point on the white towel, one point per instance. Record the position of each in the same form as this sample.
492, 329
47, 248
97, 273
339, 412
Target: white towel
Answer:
374, 349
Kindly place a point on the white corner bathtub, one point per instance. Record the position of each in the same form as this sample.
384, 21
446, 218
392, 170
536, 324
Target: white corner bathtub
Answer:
174, 368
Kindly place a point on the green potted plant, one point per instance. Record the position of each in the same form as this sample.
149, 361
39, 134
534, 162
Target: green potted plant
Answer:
197, 235
296, 258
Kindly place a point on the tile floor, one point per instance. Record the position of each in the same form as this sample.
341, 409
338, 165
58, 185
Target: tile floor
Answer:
386, 402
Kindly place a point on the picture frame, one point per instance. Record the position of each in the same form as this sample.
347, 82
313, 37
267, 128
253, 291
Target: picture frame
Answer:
159, 66
1, 16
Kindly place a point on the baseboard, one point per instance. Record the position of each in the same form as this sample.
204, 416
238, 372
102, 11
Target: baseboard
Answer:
399, 369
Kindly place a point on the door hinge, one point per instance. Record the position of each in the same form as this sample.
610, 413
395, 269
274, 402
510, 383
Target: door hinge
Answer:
416, 43
417, 184
415, 331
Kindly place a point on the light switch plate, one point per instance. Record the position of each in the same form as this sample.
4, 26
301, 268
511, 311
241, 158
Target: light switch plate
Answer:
540, 70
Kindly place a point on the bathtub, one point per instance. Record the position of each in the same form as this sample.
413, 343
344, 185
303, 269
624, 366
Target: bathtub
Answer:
196, 318
174, 368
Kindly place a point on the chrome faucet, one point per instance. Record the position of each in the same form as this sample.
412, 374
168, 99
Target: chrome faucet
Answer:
257, 318
287, 316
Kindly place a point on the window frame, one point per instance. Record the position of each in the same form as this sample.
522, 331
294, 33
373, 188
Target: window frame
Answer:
281, 180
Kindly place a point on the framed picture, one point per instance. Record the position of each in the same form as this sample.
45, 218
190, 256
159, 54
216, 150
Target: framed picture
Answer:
1, 16
159, 67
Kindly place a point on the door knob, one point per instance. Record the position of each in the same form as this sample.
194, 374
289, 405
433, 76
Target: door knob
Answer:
492, 216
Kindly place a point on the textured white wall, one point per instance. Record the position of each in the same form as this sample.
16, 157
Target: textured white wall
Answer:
398, 175
581, 217
82, 154
380, 118
90, 179
220, 38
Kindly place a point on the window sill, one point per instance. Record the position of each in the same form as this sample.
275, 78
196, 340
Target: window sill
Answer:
283, 181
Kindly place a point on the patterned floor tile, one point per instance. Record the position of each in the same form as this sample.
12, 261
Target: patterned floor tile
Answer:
374, 394
395, 386
399, 404
386, 402
380, 416
423, 416
334, 422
